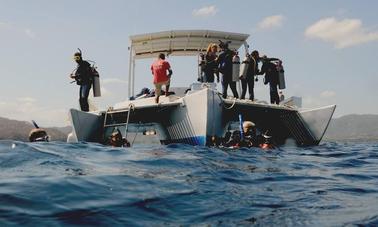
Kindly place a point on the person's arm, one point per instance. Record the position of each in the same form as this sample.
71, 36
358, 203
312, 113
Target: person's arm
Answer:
168, 67
264, 71
257, 70
152, 70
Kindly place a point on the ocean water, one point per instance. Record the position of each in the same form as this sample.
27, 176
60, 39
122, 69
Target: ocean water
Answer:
59, 184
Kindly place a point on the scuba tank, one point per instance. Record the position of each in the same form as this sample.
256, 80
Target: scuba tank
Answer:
281, 75
96, 86
235, 68
244, 67
96, 82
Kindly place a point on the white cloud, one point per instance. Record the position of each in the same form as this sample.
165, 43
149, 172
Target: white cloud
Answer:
328, 94
271, 22
113, 81
342, 33
205, 11
29, 33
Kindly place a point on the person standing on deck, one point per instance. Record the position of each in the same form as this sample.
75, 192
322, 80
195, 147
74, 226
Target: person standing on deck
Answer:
210, 63
84, 78
252, 71
271, 76
225, 68
159, 69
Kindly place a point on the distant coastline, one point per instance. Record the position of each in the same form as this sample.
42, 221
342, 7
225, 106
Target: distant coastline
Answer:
353, 127
348, 128
19, 130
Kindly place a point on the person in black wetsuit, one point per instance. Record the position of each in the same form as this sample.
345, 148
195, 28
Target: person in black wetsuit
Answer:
210, 67
38, 135
84, 78
271, 76
252, 71
250, 138
225, 65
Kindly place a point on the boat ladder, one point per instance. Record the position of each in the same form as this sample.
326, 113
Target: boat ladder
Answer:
110, 113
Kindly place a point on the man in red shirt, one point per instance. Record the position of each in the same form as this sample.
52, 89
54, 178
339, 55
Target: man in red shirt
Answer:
159, 70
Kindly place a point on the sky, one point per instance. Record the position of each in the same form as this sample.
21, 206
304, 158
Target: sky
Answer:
329, 49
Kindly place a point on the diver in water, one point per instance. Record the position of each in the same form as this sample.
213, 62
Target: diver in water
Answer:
83, 77
250, 139
225, 139
268, 142
38, 134
116, 140
235, 140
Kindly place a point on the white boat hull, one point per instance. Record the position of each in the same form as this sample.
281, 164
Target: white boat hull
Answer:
198, 117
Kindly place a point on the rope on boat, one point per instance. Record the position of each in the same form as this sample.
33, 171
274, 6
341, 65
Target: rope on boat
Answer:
132, 143
223, 103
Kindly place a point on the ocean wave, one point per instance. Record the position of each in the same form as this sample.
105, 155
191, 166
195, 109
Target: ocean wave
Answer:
91, 184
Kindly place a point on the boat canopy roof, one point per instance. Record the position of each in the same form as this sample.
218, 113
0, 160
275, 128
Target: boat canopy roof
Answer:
181, 42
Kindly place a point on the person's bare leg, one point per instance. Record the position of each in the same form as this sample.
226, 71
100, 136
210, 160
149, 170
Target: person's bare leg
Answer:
157, 92
166, 90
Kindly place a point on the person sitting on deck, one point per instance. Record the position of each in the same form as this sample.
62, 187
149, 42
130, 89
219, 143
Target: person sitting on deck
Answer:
159, 70
143, 93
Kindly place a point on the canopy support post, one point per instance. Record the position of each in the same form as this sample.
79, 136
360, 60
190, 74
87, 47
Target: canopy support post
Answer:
133, 89
131, 57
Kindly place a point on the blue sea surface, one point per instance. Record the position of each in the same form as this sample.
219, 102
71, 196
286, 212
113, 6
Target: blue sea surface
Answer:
59, 184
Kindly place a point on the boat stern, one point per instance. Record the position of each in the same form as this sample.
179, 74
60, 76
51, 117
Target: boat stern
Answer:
317, 121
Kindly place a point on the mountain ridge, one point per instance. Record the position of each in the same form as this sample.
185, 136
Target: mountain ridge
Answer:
19, 130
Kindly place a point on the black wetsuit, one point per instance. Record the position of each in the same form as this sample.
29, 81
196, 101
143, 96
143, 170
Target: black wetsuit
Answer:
225, 67
250, 79
84, 78
271, 77
210, 67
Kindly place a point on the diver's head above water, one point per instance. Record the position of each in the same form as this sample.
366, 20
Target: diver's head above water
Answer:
38, 135
77, 57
